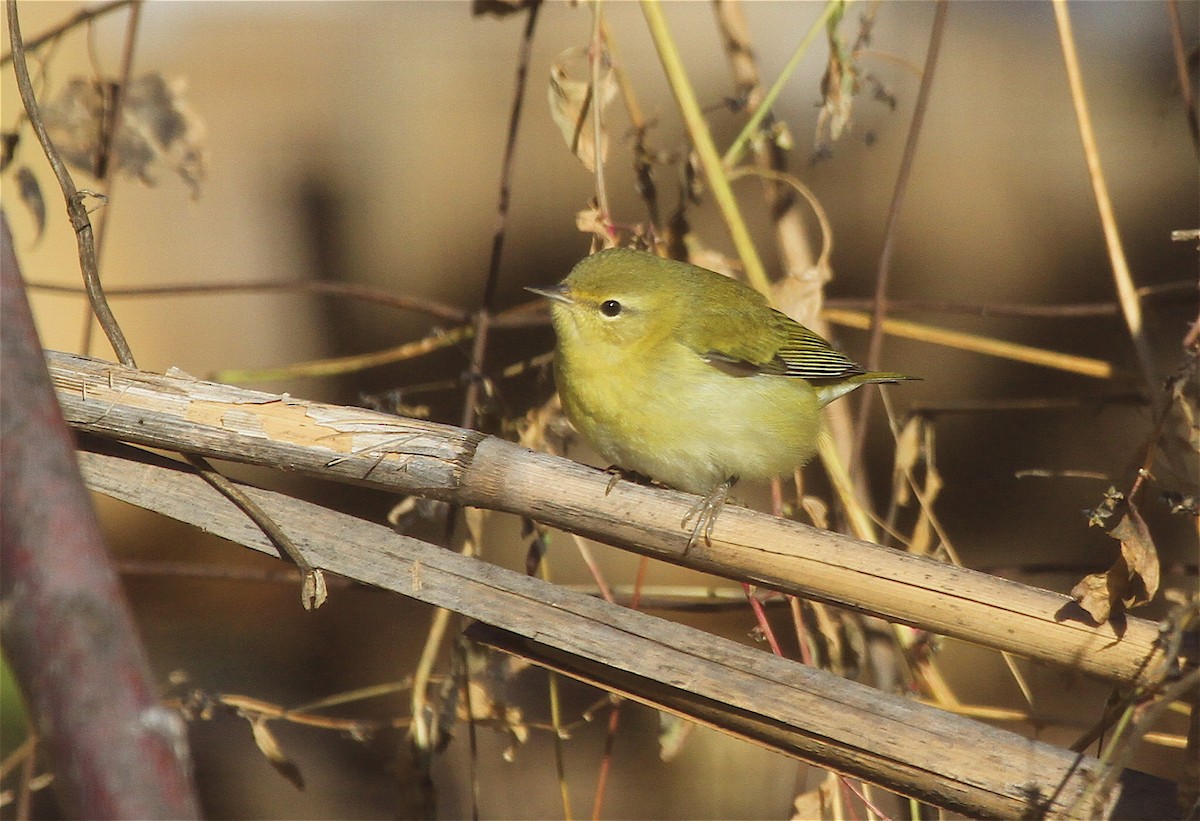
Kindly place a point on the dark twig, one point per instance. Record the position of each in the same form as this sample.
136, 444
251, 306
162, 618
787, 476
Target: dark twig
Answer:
82, 16
105, 160
1181, 70
420, 735
1167, 292
74, 198
889, 235
437, 310
479, 349
66, 629
313, 590
524, 57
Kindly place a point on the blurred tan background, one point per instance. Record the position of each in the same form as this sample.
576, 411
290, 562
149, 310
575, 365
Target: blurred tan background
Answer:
362, 142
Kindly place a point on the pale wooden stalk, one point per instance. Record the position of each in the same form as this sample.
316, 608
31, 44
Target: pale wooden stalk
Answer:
466, 467
780, 704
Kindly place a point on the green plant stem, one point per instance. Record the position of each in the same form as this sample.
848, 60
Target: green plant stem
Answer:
702, 140
734, 154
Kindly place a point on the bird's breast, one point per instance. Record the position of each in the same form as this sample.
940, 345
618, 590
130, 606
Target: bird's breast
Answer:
670, 415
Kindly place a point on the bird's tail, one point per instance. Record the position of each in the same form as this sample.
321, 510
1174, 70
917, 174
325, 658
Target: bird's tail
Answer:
826, 393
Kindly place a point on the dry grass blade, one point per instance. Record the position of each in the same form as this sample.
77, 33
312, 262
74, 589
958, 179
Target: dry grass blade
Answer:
1131, 306
976, 344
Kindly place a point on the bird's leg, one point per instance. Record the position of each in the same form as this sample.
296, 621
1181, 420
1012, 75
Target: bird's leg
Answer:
705, 513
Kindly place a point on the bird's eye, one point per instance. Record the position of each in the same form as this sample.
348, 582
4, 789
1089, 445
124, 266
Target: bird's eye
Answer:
610, 307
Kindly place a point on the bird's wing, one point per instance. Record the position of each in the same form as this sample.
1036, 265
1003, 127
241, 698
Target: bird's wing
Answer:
808, 356
784, 348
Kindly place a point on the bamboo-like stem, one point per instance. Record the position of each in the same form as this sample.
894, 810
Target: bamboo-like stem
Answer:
414, 456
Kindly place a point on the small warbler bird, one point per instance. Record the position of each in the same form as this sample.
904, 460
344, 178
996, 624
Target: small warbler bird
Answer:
688, 377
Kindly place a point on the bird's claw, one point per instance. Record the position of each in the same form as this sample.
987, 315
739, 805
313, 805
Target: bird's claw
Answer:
705, 513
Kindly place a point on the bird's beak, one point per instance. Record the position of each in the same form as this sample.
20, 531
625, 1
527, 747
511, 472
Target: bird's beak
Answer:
558, 293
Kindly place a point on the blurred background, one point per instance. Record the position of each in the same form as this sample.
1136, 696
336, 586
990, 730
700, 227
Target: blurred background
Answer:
362, 143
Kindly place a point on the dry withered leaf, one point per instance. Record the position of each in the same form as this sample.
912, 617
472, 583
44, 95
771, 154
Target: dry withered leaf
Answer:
673, 732
1140, 555
908, 454
269, 747
820, 803
314, 591
1132, 580
31, 195
572, 107
838, 88
1098, 593
591, 221
491, 675
158, 130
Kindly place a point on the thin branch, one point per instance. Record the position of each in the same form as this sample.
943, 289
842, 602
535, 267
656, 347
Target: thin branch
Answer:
595, 62
313, 591
105, 163
420, 732
74, 198
882, 277
81, 16
1167, 292
1183, 75
524, 55
750, 130
363, 293
1126, 290
482, 320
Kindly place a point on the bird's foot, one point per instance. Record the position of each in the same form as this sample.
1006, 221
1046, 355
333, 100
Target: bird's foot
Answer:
705, 513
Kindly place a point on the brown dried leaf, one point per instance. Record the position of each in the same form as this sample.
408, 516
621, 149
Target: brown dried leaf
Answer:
591, 221
908, 454
838, 89
1098, 592
819, 804
572, 107
158, 129
314, 591
269, 746
1132, 580
490, 677
31, 195
1140, 555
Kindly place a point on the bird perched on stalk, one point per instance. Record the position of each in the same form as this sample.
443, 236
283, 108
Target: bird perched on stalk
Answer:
688, 377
